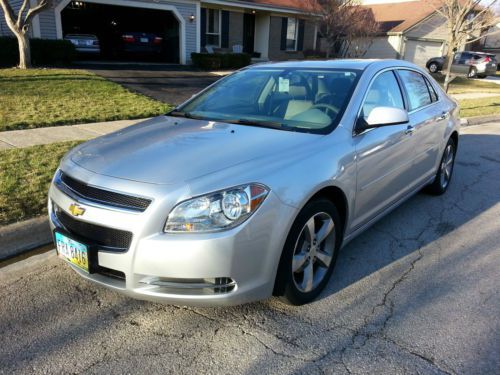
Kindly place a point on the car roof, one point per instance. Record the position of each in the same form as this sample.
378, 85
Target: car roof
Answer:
354, 64
80, 36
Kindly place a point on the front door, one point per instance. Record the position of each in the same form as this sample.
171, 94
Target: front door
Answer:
248, 33
384, 155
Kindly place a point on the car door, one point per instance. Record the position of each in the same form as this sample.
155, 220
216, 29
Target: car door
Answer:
428, 119
461, 63
383, 155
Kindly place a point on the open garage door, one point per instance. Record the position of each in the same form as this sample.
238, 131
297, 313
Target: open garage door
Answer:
123, 33
419, 52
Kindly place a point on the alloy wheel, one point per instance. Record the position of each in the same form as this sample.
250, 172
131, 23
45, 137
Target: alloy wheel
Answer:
433, 68
313, 252
447, 166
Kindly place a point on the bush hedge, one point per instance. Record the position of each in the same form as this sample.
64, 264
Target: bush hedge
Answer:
215, 61
43, 52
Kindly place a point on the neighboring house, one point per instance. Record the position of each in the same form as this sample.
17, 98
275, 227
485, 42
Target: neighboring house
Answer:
491, 43
271, 29
411, 30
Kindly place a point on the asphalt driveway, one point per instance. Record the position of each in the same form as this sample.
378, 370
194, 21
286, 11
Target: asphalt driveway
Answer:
416, 294
168, 84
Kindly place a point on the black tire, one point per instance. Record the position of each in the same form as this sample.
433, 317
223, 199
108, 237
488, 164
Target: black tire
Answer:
438, 187
286, 284
481, 76
472, 73
433, 67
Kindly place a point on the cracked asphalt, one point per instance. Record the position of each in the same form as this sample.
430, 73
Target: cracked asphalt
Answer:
418, 294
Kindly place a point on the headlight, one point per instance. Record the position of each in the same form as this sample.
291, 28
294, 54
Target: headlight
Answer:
216, 211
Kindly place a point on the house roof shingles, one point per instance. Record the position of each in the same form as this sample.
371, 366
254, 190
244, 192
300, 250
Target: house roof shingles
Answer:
399, 17
303, 5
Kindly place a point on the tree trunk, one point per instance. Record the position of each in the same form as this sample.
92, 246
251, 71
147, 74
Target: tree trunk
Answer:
24, 50
448, 62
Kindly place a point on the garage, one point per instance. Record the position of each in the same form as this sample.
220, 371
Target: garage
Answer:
123, 32
420, 51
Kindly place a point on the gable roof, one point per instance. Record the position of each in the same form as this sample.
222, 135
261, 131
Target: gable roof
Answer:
399, 17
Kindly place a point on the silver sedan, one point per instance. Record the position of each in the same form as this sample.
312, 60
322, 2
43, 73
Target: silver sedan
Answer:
250, 188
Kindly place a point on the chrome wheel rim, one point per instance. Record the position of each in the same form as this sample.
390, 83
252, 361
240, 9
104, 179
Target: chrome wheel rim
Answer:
447, 166
433, 68
313, 252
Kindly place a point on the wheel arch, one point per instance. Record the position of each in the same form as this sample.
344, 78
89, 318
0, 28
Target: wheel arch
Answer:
332, 193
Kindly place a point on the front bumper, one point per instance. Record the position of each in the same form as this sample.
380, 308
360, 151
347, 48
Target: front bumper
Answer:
224, 268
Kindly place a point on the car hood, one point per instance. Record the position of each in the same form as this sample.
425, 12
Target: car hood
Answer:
168, 150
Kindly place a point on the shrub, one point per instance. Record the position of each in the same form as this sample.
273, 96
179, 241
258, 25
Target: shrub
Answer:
43, 52
220, 60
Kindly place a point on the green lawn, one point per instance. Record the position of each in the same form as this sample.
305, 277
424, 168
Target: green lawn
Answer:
25, 176
48, 97
480, 107
461, 85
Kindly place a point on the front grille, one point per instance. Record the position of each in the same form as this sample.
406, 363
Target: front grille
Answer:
115, 239
104, 196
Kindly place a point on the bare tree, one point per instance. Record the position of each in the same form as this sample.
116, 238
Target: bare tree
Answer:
347, 27
20, 25
467, 21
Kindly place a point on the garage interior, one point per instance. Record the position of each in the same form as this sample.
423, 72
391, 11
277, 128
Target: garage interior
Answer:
111, 22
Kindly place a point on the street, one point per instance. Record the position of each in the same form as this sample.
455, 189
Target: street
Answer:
416, 293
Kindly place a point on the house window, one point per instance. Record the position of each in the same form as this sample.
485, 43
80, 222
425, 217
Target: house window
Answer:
291, 34
213, 27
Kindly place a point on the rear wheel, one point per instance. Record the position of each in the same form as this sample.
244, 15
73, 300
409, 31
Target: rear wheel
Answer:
445, 171
310, 253
433, 67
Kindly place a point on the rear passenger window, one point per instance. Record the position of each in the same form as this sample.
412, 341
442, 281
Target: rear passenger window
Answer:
434, 96
384, 92
418, 93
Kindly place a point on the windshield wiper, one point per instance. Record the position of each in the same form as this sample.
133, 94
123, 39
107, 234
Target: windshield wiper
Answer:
175, 113
265, 124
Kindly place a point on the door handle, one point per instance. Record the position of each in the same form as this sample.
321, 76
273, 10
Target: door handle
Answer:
443, 116
409, 130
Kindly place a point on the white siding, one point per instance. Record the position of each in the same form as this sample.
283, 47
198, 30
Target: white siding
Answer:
432, 28
383, 47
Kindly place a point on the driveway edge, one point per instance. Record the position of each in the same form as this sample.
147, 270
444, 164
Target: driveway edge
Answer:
24, 236
478, 120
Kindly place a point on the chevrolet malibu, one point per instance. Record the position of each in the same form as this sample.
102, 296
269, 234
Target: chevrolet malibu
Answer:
250, 188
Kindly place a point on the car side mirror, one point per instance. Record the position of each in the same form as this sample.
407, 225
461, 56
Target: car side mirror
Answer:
383, 116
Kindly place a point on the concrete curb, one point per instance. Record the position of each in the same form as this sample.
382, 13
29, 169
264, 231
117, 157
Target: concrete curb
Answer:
479, 120
24, 236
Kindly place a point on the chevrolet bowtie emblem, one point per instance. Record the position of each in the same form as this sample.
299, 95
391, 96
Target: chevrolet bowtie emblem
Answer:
76, 210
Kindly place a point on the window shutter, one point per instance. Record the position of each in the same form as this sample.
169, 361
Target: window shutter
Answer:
224, 43
203, 27
284, 26
300, 37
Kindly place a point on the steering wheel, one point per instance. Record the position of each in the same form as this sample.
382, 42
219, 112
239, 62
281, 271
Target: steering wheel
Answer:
327, 108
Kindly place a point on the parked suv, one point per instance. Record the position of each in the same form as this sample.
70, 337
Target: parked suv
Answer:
471, 64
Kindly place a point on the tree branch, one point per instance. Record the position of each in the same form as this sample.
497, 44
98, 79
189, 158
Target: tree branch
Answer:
20, 14
9, 15
34, 11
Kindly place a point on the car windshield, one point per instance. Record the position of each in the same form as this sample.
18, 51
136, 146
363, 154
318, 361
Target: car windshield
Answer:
307, 100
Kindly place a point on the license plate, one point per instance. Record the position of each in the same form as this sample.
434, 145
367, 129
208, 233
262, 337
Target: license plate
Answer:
144, 40
72, 251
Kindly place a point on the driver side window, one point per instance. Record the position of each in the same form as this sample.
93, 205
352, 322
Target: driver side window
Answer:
383, 92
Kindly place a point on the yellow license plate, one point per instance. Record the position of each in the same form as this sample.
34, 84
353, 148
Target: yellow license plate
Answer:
72, 251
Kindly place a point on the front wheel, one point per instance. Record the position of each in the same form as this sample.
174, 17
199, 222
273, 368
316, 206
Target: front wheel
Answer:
309, 253
445, 170
472, 73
